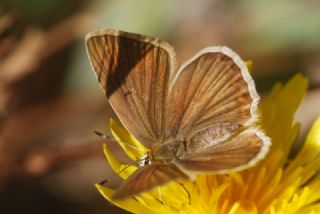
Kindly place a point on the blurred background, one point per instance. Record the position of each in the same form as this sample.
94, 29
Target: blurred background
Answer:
51, 103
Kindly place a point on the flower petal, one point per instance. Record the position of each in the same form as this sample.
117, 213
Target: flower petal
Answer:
130, 145
310, 149
249, 65
278, 111
117, 166
129, 204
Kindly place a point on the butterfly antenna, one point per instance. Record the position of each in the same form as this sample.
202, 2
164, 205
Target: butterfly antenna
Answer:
137, 161
106, 136
103, 135
103, 182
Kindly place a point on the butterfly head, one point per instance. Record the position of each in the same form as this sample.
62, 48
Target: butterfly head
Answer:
145, 160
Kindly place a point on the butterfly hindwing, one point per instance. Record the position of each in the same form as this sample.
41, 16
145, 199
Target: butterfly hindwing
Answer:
236, 153
148, 177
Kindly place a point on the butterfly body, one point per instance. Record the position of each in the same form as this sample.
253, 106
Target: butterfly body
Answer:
197, 118
167, 152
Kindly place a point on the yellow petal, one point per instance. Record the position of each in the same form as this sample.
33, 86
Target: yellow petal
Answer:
122, 170
128, 204
235, 208
311, 147
278, 114
312, 209
314, 186
130, 145
244, 207
249, 65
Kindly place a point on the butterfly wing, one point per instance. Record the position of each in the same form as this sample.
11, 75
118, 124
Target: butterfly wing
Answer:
134, 72
148, 177
213, 88
236, 153
212, 100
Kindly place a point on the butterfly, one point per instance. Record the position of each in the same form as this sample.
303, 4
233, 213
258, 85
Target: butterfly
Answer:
199, 118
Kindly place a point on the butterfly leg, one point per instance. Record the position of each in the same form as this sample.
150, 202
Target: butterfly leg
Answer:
160, 196
186, 190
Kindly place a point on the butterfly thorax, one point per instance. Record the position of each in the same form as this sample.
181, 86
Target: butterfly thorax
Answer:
168, 151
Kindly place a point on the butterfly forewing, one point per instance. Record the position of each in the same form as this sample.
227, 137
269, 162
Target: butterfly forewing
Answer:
134, 72
211, 90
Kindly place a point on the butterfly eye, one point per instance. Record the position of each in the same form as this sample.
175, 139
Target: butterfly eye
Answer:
146, 161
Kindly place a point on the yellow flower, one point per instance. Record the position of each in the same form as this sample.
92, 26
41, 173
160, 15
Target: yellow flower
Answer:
282, 183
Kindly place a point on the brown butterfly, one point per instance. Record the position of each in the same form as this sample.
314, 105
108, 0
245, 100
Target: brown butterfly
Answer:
198, 118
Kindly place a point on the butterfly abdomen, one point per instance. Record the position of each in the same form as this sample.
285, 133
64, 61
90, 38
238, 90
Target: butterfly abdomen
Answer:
210, 136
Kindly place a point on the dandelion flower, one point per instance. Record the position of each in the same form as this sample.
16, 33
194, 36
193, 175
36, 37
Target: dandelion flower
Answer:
278, 184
